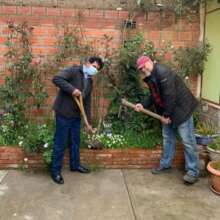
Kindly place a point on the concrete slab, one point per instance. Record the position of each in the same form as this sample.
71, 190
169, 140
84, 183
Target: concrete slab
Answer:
98, 196
106, 195
165, 197
3, 173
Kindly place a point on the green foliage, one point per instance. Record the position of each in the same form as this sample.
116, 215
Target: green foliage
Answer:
179, 7
31, 137
47, 156
23, 88
148, 138
128, 85
185, 7
196, 117
8, 133
137, 129
190, 61
206, 128
69, 46
38, 138
215, 145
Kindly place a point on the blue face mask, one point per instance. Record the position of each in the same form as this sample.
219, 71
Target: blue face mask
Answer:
90, 70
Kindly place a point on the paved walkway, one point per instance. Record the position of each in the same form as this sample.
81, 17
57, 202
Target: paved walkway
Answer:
105, 195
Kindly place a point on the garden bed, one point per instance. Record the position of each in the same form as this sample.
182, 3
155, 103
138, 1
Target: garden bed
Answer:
15, 157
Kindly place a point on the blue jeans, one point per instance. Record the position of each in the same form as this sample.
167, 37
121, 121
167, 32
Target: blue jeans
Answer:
186, 132
67, 131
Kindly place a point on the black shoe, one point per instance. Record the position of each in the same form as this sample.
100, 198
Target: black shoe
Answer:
80, 169
160, 170
58, 179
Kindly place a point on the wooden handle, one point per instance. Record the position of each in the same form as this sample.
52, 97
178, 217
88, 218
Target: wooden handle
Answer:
145, 111
79, 102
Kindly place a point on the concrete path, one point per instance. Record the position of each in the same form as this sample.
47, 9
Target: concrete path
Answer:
106, 195
3, 173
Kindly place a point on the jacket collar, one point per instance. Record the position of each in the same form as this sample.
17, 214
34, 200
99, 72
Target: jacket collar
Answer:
81, 69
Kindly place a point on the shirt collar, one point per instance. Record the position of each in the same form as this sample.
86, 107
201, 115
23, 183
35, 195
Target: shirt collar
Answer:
85, 75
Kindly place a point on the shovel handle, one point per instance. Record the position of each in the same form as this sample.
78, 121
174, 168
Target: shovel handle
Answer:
145, 111
79, 102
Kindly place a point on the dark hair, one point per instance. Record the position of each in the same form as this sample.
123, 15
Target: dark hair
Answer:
97, 60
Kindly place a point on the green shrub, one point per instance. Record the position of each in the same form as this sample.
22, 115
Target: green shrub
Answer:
191, 60
215, 145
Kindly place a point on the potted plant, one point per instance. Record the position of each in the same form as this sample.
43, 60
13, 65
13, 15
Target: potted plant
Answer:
205, 134
214, 171
214, 149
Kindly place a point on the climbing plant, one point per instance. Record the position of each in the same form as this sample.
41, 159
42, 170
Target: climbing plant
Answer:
24, 88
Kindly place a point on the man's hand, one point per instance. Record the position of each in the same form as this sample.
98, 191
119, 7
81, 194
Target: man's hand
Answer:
76, 92
165, 121
91, 130
139, 107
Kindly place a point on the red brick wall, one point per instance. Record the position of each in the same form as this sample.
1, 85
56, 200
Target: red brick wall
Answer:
95, 24
12, 157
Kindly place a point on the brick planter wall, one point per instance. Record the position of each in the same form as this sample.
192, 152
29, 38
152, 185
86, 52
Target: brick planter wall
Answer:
13, 157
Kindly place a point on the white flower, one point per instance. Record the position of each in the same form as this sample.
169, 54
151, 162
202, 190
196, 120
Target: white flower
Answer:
186, 78
89, 146
46, 145
20, 143
25, 159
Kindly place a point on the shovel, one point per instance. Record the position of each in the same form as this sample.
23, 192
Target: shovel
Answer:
93, 144
79, 102
145, 111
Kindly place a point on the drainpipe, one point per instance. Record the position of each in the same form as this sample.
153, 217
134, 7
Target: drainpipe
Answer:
201, 38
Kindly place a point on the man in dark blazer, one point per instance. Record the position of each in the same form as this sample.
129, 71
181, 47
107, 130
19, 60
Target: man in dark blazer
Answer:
72, 82
175, 103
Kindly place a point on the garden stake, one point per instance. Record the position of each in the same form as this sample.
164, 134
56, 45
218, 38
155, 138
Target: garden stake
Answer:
145, 111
